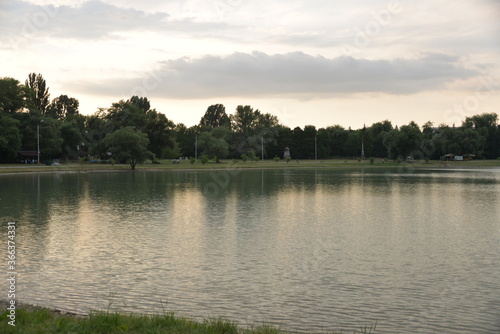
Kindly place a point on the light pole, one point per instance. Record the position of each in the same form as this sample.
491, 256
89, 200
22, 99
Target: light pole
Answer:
38, 143
262, 142
316, 147
196, 146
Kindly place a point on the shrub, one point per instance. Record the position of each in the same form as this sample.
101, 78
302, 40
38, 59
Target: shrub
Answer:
204, 159
192, 160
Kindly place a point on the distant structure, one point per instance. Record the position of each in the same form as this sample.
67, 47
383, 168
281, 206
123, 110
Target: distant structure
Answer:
286, 154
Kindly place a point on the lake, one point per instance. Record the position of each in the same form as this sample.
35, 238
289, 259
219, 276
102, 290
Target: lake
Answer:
412, 250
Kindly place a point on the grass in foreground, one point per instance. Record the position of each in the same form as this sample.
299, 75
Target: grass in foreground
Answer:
43, 320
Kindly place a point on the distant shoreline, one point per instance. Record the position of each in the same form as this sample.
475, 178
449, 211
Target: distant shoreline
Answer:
73, 168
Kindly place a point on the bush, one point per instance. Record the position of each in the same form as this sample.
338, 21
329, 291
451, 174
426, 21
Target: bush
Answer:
204, 159
276, 159
244, 157
372, 160
288, 159
192, 160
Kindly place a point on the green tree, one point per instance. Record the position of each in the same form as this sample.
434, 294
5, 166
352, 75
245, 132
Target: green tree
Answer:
338, 136
215, 116
140, 102
72, 139
487, 127
12, 95
213, 143
10, 137
128, 145
250, 128
63, 107
376, 134
159, 130
124, 113
38, 92
50, 138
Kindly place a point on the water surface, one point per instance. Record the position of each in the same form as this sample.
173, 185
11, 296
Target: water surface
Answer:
311, 249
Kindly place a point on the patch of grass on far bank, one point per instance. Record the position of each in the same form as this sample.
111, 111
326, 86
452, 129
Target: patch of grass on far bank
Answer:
186, 165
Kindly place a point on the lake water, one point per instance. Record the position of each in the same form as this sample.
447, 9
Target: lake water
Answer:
414, 251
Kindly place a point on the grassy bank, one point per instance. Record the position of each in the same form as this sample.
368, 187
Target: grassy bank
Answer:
186, 165
31, 319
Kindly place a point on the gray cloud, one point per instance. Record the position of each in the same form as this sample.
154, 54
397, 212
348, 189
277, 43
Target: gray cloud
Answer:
92, 20
295, 74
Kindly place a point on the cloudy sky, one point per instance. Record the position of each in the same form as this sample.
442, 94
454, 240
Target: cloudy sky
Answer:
319, 62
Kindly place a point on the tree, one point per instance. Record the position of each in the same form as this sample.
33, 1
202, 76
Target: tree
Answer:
140, 102
124, 113
250, 128
215, 116
487, 126
376, 133
10, 137
38, 92
12, 95
159, 130
63, 107
128, 145
214, 143
50, 138
72, 139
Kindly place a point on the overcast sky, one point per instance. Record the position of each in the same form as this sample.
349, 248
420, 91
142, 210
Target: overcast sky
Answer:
319, 62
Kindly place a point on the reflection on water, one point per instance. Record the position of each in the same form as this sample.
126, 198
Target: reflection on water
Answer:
314, 250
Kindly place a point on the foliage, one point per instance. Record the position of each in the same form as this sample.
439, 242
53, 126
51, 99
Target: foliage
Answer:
192, 160
372, 160
276, 159
215, 116
213, 143
12, 95
204, 159
65, 133
128, 145
63, 107
10, 137
38, 93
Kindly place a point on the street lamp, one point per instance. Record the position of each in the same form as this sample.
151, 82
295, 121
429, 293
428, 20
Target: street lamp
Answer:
38, 141
316, 147
262, 138
196, 146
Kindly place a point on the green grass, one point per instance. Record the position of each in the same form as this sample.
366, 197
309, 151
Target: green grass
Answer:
43, 320
186, 165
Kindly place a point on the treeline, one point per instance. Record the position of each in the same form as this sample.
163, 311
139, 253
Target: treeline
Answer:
27, 113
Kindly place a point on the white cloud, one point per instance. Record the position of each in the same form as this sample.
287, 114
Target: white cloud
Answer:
295, 74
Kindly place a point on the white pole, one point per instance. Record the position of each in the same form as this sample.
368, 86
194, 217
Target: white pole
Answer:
316, 147
196, 147
262, 147
38, 142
